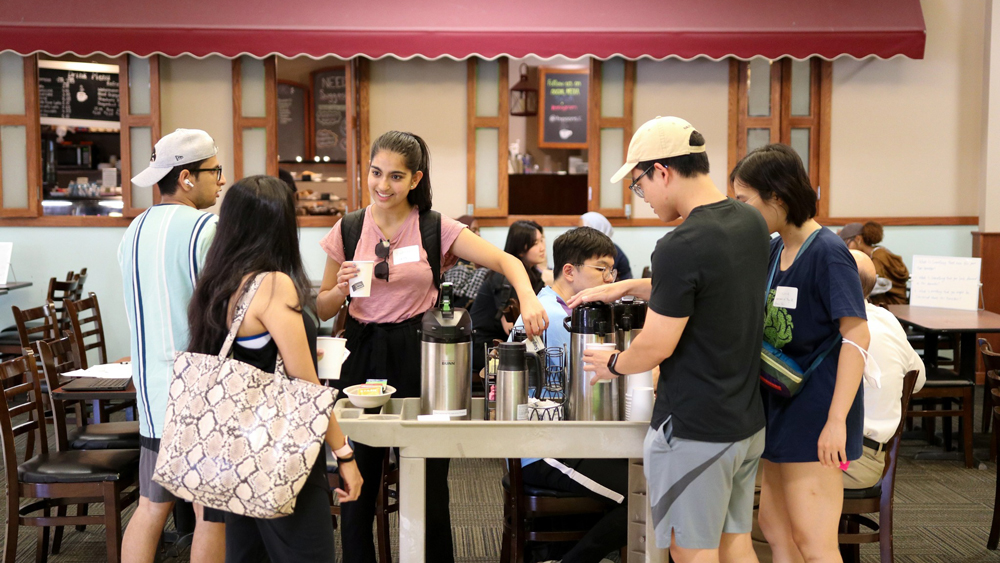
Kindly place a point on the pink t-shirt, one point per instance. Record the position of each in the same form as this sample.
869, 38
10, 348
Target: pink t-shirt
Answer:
410, 289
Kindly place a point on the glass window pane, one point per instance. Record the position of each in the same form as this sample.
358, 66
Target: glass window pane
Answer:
487, 88
138, 85
800, 142
140, 149
252, 86
759, 88
254, 151
11, 84
613, 88
14, 155
487, 173
801, 81
612, 141
757, 138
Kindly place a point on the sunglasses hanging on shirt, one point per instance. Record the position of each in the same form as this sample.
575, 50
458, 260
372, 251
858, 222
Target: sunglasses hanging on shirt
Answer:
381, 270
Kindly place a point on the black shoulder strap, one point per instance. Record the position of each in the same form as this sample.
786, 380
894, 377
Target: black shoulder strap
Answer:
350, 231
430, 238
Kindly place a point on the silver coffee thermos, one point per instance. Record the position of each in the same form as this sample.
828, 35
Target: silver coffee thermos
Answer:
630, 315
590, 323
514, 377
446, 360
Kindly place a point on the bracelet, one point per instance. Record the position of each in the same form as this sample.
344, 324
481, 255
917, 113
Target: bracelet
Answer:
347, 459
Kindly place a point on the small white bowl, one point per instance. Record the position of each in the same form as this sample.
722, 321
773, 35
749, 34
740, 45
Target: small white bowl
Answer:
368, 401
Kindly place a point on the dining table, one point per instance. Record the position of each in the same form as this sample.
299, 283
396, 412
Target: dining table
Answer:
99, 397
5, 288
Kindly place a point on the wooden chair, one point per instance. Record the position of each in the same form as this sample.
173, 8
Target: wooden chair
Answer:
991, 362
59, 293
57, 479
994, 538
875, 500
86, 324
386, 503
81, 278
993, 387
944, 388
523, 503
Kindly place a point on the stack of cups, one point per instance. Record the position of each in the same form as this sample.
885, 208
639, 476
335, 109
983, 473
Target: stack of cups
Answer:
639, 404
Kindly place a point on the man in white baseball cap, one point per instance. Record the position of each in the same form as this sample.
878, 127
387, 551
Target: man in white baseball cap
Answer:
707, 430
160, 257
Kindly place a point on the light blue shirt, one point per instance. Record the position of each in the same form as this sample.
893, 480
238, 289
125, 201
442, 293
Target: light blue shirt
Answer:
160, 256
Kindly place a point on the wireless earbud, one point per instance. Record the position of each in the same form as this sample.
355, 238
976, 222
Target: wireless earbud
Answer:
188, 182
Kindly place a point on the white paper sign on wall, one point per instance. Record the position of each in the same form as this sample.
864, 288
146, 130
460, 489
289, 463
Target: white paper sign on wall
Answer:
946, 282
6, 249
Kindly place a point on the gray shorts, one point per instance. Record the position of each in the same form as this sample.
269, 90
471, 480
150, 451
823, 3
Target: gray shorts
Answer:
156, 493
699, 490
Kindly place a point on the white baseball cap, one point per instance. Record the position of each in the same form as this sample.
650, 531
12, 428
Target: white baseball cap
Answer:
183, 146
660, 137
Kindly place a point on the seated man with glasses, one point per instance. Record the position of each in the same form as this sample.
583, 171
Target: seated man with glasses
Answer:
583, 258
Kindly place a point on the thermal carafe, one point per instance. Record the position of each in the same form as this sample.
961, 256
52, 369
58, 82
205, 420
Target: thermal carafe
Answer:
446, 360
514, 377
590, 323
630, 315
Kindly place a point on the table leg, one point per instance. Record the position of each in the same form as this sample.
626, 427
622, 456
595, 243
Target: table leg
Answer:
98, 407
931, 352
412, 512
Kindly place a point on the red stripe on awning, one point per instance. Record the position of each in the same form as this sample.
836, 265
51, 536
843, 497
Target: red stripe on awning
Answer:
645, 28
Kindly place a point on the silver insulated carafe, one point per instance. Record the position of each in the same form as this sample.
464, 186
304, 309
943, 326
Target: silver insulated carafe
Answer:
590, 323
514, 378
630, 315
446, 360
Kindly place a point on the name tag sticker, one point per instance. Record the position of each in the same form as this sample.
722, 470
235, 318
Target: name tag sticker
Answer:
786, 297
406, 254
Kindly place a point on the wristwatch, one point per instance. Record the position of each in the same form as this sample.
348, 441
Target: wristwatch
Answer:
344, 453
611, 364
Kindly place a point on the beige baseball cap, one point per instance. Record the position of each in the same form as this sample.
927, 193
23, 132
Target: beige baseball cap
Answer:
183, 146
660, 137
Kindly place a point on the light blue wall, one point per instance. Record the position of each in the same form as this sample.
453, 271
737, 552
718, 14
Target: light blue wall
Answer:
43, 252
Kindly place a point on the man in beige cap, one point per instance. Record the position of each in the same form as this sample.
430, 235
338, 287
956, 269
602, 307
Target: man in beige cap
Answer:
160, 257
704, 329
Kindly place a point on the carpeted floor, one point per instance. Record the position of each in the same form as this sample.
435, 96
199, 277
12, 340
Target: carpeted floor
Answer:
943, 513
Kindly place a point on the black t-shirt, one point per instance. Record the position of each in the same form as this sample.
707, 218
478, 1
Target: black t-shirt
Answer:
713, 269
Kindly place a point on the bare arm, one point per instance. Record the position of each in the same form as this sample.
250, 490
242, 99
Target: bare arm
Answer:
333, 291
850, 365
609, 293
657, 342
474, 249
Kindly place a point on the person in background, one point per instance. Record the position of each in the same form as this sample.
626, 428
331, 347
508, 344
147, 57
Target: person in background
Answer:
584, 258
895, 357
465, 277
161, 255
382, 330
258, 235
815, 309
525, 241
888, 265
595, 220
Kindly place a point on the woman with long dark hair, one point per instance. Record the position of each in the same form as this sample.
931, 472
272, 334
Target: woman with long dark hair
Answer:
815, 311
381, 329
526, 240
257, 234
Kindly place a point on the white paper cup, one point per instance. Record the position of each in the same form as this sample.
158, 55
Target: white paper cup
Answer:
643, 379
641, 404
334, 353
361, 285
600, 346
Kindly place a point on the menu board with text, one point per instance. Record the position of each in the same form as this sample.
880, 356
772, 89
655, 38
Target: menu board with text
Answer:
329, 93
563, 97
292, 112
78, 94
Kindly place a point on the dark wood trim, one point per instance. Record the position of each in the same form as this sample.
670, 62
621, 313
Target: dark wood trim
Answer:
594, 96
987, 247
542, 71
350, 76
470, 132
732, 147
32, 136
65, 221
125, 134
573, 221
500, 123
902, 221
317, 220
271, 113
628, 128
825, 111
503, 124
237, 120
359, 187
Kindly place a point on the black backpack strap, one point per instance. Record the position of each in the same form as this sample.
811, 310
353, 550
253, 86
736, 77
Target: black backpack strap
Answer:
430, 237
350, 231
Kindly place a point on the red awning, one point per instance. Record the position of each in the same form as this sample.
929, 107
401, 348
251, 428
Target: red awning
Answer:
460, 29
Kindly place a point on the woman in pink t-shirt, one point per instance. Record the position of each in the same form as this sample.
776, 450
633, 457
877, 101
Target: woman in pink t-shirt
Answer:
381, 330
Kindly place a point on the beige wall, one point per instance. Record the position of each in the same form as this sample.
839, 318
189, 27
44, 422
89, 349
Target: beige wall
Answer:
427, 98
198, 94
905, 134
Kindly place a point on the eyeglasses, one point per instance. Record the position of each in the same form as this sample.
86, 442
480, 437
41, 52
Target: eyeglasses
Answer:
381, 270
634, 186
609, 274
217, 170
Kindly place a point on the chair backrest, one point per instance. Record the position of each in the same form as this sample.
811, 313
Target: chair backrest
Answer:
57, 357
60, 292
991, 359
28, 331
892, 446
17, 377
81, 279
85, 324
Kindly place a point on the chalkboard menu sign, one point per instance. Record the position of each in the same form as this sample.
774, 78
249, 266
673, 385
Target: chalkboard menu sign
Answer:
78, 94
292, 111
329, 93
562, 121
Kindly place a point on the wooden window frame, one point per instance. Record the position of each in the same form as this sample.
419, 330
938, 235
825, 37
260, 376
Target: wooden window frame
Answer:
269, 123
30, 121
127, 121
597, 122
500, 122
781, 122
